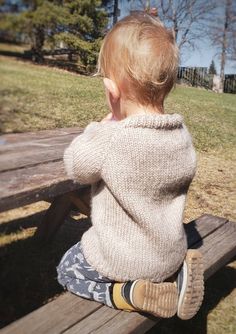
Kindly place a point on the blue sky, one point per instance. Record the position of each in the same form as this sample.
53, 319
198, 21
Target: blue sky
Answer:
200, 57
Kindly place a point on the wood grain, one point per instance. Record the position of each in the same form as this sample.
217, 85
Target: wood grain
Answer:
54, 217
107, 320
35, 153
218, 248
32, 184
14, 138
26, 153
217, 245
31, 167
54, 318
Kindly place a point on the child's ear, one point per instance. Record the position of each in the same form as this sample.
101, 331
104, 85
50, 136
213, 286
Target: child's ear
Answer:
111, 86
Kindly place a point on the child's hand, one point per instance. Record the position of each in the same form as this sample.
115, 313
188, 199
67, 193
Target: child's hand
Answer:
108, 118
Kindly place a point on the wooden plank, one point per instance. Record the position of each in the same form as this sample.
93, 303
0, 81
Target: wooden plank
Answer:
14, 138
125, 323
218, 248
107, 320
24, 154
37, 142
29, 185
201, 227
94, 321
54, 317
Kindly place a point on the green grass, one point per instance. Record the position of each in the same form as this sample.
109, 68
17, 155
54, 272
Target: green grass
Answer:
211, 117
37, 97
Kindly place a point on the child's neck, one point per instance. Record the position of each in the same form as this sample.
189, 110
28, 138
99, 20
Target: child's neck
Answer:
129, 108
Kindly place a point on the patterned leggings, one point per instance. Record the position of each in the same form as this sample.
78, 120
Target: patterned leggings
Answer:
77, 276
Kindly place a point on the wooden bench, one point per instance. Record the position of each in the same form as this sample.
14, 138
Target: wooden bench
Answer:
31, 169
68, 314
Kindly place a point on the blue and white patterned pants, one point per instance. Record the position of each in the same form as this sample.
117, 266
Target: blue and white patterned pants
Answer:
77, 276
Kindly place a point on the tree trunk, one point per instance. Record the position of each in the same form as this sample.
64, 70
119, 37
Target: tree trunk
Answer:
228, 4
38, 42
115, 12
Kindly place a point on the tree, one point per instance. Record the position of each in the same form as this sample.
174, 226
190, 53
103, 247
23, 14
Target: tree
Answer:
40, 22
187, 18
222, 32
112, 7
82, 28
212, 68
78, 23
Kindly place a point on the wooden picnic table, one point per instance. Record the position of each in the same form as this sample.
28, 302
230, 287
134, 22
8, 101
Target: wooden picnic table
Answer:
31, 169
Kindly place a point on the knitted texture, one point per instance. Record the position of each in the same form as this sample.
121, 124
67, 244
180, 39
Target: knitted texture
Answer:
140, 169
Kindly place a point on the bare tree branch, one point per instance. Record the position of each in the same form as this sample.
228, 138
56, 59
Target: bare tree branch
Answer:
186, 18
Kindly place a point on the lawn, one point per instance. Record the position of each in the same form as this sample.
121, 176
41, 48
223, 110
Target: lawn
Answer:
37, 97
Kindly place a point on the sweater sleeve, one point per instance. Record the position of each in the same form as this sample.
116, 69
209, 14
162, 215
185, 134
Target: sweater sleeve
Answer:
84, 158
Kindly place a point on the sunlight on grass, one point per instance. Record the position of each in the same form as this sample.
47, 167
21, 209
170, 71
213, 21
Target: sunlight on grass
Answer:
37, 97
210, 117
6, 239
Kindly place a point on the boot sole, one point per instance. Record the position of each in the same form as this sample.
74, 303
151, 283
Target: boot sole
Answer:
191, 295
158, 299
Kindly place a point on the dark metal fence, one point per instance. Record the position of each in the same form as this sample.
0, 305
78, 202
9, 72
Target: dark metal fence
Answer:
230, 83
199, 77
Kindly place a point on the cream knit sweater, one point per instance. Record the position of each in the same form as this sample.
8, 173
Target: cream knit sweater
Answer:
140, 168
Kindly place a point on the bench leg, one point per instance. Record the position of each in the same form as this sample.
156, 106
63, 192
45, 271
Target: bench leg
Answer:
82, 200
54, 217
60, 209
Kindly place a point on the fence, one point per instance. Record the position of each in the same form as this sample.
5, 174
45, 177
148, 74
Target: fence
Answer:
230, 83
199, 77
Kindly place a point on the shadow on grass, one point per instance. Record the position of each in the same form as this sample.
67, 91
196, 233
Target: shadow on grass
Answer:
28, 275
28, 267
71, 66
14, 54
22, 223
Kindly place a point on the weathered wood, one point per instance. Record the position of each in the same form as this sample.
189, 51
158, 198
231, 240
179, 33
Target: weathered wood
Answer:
13, 138
31, 167
30, 151
125, 323
214, 236
198, 229
34, 153
54, 317
107, 320
81, 199
28, 185
54, 217
94, 321
218, 248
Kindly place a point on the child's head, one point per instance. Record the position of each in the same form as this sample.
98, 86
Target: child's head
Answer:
140, 55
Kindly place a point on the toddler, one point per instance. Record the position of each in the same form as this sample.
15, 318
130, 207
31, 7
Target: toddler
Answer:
140, 163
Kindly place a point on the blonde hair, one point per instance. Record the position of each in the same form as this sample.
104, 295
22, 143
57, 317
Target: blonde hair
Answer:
141, 56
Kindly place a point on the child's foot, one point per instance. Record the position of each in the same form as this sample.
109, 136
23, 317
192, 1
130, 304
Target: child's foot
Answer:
190, 284
159, 299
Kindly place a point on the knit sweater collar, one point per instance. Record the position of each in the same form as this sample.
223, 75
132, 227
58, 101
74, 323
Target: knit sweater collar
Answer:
158, 121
